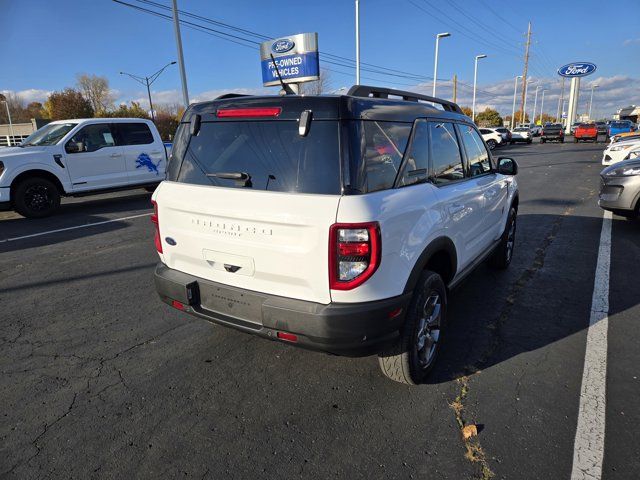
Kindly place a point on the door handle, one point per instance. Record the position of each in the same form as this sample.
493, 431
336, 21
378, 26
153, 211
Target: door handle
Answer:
115, 155
456, 208
155, 152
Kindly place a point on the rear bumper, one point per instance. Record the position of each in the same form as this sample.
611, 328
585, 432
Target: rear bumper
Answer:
351, 329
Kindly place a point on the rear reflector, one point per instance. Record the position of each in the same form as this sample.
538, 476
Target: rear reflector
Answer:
288, 337
177, 304
249, 112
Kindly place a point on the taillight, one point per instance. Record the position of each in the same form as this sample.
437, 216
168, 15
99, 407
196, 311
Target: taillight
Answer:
248, 112
354, 254
154, 220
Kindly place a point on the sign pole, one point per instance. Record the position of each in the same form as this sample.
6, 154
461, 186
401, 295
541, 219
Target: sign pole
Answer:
572, 109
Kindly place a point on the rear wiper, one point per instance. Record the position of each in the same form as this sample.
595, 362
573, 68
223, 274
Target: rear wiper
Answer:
241, 177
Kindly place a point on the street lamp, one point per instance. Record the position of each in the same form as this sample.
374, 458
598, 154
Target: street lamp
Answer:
148, 81
6, 104
535, 105
357, 42
524, 107
591, 100
475, 80
435, 66
542, 105
515, 89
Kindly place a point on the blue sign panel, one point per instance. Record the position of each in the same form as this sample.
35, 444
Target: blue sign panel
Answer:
577, 69
296, 66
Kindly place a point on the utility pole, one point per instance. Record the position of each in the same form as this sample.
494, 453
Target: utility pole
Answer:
455, 88
524, 74
183, 75
357, 42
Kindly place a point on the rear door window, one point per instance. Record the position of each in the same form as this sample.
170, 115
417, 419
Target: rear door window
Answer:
477, 154
446, 160
272, 154
134, 133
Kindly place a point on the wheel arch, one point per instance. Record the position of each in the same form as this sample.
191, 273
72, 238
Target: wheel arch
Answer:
40, 174
439, 256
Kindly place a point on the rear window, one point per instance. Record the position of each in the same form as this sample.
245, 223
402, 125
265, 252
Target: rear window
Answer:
271, 153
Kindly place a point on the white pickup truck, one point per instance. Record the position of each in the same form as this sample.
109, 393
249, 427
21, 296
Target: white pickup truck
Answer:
80, 157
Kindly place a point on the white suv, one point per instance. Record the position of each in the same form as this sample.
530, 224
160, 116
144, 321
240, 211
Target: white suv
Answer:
79, 157
336, 223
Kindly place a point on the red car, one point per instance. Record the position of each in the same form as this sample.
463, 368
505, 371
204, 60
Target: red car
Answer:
586, 131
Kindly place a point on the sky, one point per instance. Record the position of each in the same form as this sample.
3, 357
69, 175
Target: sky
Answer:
45, 44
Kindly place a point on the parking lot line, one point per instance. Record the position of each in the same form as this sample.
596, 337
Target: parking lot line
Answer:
74, 227
588, 450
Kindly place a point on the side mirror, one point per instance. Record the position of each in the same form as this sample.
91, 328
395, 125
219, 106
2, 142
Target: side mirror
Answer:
74, 147
507, 166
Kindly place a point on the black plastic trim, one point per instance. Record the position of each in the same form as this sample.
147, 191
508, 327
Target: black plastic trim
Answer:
437, 245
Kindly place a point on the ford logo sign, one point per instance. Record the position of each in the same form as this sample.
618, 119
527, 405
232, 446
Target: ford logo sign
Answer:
282, 46
578, 69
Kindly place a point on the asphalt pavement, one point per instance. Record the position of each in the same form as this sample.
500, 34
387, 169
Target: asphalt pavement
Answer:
99, 379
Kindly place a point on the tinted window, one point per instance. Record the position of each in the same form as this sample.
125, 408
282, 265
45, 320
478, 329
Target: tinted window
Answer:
477, 154
377, 153
93, 137
272, 153
134, 133
416, 162
446, 161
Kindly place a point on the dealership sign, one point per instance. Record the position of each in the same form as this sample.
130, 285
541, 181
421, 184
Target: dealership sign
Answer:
577, 69
296, 58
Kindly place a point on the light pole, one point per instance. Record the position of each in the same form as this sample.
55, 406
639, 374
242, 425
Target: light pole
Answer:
513, 111
524, 107
357, 42
535, 105
542, 105
435, 66
6, 104
147, 81
475, 80
183, 75
591, 100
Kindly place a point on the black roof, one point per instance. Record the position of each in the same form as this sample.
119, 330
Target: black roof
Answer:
352, 106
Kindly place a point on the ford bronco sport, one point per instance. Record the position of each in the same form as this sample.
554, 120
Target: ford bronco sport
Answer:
336, 223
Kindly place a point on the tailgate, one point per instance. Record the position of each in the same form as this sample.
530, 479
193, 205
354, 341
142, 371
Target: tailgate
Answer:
269, 242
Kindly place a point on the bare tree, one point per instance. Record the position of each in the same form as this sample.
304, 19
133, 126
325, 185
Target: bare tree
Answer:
317, 87
96, 90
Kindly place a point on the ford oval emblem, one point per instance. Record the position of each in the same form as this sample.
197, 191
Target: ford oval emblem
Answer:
577, 69
170, 241
282, 46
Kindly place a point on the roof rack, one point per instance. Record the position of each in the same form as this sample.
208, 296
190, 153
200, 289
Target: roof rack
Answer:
232, 95
379, 92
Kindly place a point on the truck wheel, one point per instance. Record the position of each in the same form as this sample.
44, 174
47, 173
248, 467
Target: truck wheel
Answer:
529, 141
542, 140
491, 143
410, 358
575, 140
36, 197
503, 253
562, 140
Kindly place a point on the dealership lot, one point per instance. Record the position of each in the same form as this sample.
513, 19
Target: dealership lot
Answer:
100, 379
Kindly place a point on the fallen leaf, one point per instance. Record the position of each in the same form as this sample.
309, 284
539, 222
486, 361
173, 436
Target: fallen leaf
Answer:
469, 431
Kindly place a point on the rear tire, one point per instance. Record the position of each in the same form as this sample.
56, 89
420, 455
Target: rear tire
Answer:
542, 140
529, 141
503, 253
36, 197
411, 357
491, 143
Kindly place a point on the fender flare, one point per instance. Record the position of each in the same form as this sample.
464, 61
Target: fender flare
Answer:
437, 245
40, 167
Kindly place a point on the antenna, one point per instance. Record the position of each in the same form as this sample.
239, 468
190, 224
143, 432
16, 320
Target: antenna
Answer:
287, 89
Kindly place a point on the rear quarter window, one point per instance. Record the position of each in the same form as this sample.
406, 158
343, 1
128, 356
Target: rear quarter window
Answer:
137, 133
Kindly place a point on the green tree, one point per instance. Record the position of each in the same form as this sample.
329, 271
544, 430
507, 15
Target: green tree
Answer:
489, 118
67, 104
166, 122
125, 111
